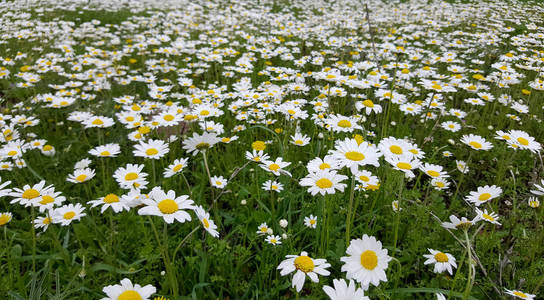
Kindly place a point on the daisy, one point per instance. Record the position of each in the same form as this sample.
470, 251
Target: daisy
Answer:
126, 290
486, 216
5, 218
366, 178
310, 221
257, 156
391, 146
204, 218
154, 149
405, 163
108, 150
440, 183
539, 189
300, 140
276, 167
263, 229
462, 166
442, 261
64, 215
4, 192
98, 121
366, 262
339, 123
456, 223
273, 239
368, 106
343, 291
81, 175
116, 203
451, 126
476, 142
271, 185
349, 153
218, 182
303, 265
520, 294
131, 177
317, 164
47, 200
167, 206
175, 167
200, 143
484, 194
28, 193
43, 222
524, 141
533, 202
82, 164
324, 182
434, 171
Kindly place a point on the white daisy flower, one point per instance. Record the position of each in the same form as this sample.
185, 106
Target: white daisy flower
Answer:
126, 290
303, 266
442, 261
167, 206
366, 262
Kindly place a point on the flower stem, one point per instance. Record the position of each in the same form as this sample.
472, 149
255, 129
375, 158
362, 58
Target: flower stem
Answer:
166, 259
348, 220
468, 287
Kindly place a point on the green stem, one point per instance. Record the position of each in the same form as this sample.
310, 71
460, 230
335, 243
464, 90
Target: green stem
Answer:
397, 216
468, 287
462, 176
166, 259
348, 220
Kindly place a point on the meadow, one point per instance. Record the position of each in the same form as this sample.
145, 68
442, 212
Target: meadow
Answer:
271, 149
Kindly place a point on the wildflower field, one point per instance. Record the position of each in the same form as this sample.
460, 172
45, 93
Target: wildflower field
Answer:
271, 149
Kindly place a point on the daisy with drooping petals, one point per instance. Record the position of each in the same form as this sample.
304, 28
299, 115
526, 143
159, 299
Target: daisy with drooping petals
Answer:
324, 182
167, 206
200, 143
126, 290
117, 204
154, 149
456, 223
108, 150
442, 261
520, 294
343, 291
304, 266
81, 175
64, 215
366, 262
208, 224
484, 194
476, 142
349, 153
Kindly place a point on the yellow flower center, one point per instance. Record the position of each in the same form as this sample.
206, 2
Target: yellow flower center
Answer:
81, 177
131, 176
299, 142
47, 148
484, 197
129, 295
168, 206
111, 198
354, 155
440, 184
46, 199
369, 260
396, 149
304, 263
69, 215
30, 194
258, 145
404, 166
519, 294
202, 145
368, 103
488, 217
168, 118
206, 223
274, 167
324, 166
523, 141
475, 144
344, 124
177, 168
312, 221
98, 122
364, 178
4, 219
12, 153
151, 151
324, 183
105, 153
441, 257
433, 173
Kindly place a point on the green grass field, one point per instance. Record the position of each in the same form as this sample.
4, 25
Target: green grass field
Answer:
271, 149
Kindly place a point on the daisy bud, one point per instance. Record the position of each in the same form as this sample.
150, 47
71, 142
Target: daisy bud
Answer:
270, 231
243, 202
490, 127
451, 141
284, 236
320, 135
283, 223
393, 123
163, 273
